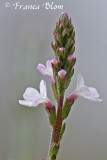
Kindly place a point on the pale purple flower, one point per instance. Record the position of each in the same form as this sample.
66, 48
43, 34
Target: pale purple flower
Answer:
46, 70
33, 97
83, 91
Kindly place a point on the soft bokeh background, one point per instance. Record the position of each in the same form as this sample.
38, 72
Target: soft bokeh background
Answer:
25, 37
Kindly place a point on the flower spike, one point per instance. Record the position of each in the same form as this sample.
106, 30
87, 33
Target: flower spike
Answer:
33, 98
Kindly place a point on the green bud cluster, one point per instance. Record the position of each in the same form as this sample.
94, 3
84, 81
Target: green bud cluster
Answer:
64, 48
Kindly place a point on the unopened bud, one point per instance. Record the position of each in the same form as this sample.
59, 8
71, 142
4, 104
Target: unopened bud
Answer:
63, 17
54, 62
72, 60
62, 73
72, 98
60, 52
67, 106
49, 105
54, 46
61, 26
58, 38
70, 43
51, 110
72, 50
73, 34
65, 32
57, 27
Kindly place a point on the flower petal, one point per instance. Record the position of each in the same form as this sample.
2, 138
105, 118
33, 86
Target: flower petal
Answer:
42, 69
80, 81
43, 89
49, 67
88, 93
30, 94
48, 64
26, 103
40, 100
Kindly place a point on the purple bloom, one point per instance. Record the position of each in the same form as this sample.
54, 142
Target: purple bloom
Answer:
46, 70
33, 97
83, 91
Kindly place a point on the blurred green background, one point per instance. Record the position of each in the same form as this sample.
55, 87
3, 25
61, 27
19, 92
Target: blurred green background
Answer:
25, 37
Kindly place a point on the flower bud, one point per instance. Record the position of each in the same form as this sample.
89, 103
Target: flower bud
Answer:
67, 107
57, 29
61, 26
60, 52
73, 34
54, 46
51, 110
62, 73
65, 32
70, 43
58, 38
71, 27
49, 105
72, 98
72, 50
72, 60
63, 17
54, 62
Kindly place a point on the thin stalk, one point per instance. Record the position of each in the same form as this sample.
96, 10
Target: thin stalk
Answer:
57, 127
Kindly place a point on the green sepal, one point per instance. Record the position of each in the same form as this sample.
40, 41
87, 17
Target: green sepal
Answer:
54, 46
70, 43
65, 32
66, 108
52, 115
54, 88
72, 50
68, 78
62, 131
61, 87
73, 34
53, 150
58, 39
52, 158
57, 28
